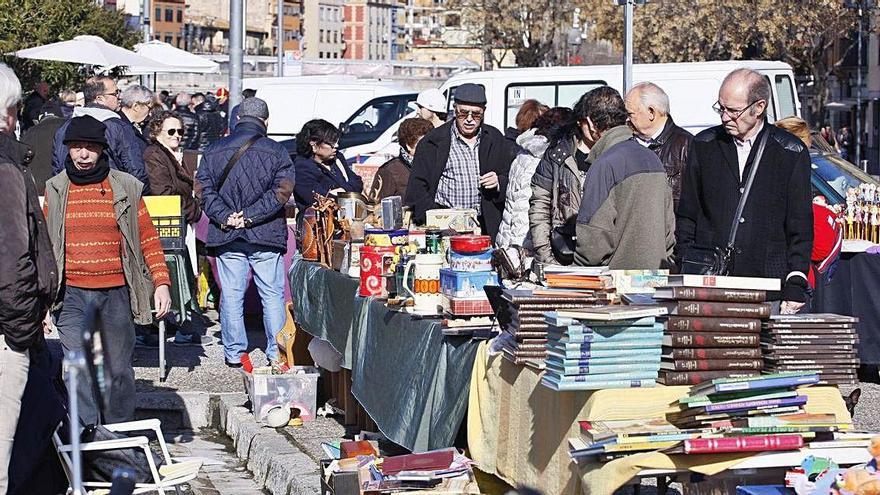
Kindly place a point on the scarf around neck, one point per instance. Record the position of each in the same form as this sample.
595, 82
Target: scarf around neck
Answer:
94, 175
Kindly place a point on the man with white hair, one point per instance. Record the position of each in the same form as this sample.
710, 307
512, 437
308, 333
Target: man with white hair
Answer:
775, 230
27, 269
647, 108
102, 101
135, 104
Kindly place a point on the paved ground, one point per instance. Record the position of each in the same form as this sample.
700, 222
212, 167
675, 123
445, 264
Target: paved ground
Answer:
222, 474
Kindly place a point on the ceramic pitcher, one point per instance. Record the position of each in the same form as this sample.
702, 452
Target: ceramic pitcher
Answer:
425, 286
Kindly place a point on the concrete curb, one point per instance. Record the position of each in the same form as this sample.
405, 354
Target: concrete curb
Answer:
277, 464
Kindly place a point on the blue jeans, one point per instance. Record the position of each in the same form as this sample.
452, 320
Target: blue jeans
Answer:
234, 262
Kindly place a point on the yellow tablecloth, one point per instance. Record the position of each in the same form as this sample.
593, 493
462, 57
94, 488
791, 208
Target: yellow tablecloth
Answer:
518, 429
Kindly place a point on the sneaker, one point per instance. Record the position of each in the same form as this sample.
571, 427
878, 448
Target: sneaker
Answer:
232, 365
192, 339
146, 341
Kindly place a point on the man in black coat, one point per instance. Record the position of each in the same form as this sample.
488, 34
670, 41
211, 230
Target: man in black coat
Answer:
462, 164
182, 105
647, 109
775, 235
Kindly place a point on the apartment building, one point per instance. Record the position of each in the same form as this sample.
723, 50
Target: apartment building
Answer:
323, 29
371, 29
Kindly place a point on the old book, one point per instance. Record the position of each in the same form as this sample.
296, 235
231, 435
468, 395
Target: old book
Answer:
710, 324
788, 356
809, 339
711, 294
699, 339
814, 318
712, 364
811, 331
695, 377
807, 348
718, 309
612, 313
355, 448
566, 386
750, 283
751, 443
807, 326
712, 353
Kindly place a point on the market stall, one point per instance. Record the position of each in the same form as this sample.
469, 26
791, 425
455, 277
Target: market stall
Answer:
411, 380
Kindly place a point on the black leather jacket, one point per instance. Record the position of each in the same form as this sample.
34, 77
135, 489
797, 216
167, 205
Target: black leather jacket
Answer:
190, 128
212, 126
672, 146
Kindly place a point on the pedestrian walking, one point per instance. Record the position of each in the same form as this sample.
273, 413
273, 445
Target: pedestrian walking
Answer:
135, 104
109, 255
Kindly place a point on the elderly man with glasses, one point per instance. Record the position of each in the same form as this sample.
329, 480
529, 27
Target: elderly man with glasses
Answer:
462, 164
774, 235
135, 104
102, 98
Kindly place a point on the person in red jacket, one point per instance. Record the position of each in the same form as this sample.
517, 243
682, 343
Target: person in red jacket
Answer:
827, 241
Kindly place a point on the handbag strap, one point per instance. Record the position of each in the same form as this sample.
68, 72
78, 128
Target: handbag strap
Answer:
748, 187
235, 157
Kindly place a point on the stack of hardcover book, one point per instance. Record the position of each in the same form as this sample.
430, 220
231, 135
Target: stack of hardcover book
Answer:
603, 347
524, 330
475, 327
713, 327
826, 343
747, 403
578, 277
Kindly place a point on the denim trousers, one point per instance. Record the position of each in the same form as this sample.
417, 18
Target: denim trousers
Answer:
234, 262
13, 378
108, 313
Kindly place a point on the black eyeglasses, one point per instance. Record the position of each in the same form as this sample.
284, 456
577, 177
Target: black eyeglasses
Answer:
474, 114
171, 132
116, 94
734, 114
332, 146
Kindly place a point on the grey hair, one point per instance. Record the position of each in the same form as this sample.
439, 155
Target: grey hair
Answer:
758, 87
10, 94
67, 96
653, 96
136, 94
182, 99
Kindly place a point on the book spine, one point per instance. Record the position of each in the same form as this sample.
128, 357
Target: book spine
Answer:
757, 443
631, 375
600, 385
793, 381
712, 324
592, 369
719, 295
720, 353
595, 337
695, 377
690, 339
717, 364
722, 309
756, 404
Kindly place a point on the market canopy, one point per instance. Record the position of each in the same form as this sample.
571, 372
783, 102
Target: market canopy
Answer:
167, 58
87, 49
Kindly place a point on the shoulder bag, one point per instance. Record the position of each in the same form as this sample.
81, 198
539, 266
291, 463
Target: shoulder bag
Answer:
235, 158
698, 260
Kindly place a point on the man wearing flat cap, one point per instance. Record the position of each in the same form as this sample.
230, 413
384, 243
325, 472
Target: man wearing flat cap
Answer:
462, 164
247, 180
110, 261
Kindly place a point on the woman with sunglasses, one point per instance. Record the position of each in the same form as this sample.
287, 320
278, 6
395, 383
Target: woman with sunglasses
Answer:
320, 167
163, 159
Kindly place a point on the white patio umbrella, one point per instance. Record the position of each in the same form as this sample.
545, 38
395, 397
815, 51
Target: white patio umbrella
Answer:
167, 58
86, 49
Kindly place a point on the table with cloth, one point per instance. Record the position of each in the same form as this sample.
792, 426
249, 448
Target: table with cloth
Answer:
412, 381
854, 285
518, 429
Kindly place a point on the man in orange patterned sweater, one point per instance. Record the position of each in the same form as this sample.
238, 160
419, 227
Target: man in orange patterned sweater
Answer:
111, 264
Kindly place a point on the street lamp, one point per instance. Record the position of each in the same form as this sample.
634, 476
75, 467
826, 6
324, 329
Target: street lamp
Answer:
628, 39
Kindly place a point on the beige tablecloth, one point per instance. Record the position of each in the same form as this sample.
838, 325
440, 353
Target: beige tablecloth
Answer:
518, 429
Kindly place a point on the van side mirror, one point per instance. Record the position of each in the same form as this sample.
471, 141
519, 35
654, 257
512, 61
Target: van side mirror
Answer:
344, 128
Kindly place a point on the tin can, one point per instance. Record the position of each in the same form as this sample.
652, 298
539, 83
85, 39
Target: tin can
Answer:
434, 241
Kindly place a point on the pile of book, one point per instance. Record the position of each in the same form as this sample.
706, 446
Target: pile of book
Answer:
713, 328
750, 402
357, 467
826, 343
521, 317
751, 414
603, 347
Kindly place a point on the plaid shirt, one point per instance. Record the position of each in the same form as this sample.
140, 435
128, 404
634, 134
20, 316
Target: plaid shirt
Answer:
459, 185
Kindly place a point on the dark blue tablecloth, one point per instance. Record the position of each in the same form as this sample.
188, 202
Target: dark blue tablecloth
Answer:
411, 380
854, 290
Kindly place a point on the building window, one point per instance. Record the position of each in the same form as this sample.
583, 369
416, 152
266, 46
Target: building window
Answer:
158, 15
180, 15
169, 15
321, 35
169, 38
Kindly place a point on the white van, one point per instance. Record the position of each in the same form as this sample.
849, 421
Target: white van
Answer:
292, 105
692, 89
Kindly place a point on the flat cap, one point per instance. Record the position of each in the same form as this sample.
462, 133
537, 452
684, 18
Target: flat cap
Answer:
470, 93
253, 107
